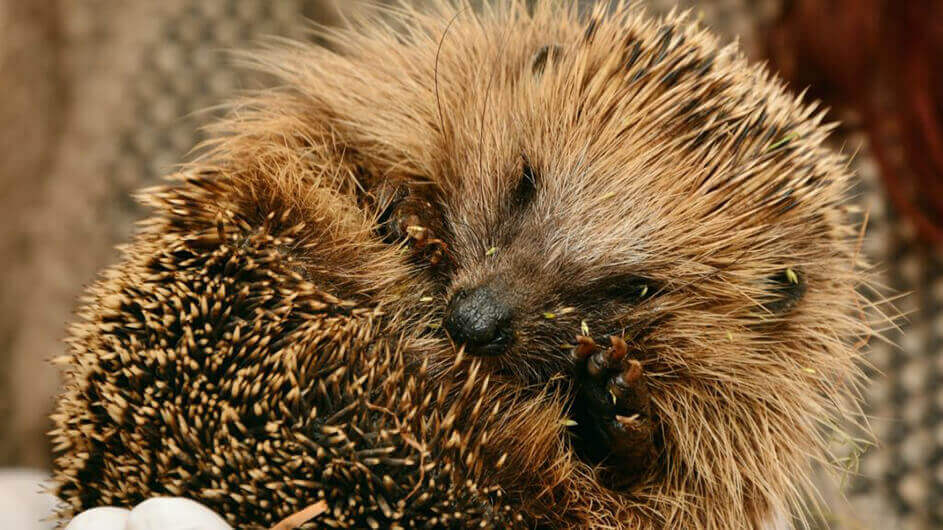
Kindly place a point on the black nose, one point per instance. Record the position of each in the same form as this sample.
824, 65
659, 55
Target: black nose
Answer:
480, 321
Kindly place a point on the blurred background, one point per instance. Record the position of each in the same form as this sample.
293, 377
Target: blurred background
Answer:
102, 97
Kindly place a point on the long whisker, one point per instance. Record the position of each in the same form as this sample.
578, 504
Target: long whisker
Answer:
435, 74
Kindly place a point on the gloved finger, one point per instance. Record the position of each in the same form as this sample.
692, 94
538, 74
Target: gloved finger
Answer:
105, 518
174, 513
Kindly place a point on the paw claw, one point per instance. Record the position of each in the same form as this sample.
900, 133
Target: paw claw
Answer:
614, 405
599, 361
629, 423
403, 219
584, 347
619, 348
417, 232
627, 420
633, 372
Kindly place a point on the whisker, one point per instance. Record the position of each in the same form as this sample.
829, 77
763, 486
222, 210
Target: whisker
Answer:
435, 74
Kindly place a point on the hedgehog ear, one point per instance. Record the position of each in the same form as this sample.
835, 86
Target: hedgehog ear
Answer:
545, 54
787, 287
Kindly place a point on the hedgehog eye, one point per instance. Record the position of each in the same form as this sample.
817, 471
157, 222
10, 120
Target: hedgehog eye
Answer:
526, 187
786, 289
544, 55
628, 289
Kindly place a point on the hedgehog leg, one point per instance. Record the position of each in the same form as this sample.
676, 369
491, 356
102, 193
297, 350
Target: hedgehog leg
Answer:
407, 214
612, 409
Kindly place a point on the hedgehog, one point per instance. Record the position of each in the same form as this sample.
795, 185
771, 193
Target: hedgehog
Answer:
551, 268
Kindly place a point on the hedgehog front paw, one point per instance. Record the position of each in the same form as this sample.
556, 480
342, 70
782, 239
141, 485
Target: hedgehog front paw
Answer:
612, 410
411, 217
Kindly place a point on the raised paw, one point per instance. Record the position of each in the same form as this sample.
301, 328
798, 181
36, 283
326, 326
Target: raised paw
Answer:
612, 409
410, 216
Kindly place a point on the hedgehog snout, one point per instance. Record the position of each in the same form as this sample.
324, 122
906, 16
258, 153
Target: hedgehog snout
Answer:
478, 319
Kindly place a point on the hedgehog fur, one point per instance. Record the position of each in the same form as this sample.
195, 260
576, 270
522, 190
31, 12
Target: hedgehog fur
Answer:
263, 346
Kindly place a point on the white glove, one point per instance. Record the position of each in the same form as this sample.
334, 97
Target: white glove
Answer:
159, 513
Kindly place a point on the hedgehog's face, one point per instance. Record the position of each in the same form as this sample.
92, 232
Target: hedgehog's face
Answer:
549, 247
562, 220
533, 265
636, 177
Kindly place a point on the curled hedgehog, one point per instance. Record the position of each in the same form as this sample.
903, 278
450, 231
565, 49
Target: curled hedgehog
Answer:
615, 234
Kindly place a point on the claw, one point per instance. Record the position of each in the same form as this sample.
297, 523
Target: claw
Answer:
613, 396
633, 372
400, 221
416, 232
621, 386
628, 422
618, 350
415, 229
584, 347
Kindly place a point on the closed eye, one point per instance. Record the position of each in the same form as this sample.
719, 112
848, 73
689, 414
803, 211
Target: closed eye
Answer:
786, 288
526, 188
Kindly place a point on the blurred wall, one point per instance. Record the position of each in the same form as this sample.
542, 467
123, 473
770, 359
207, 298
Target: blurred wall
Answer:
33, 98
100, 98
